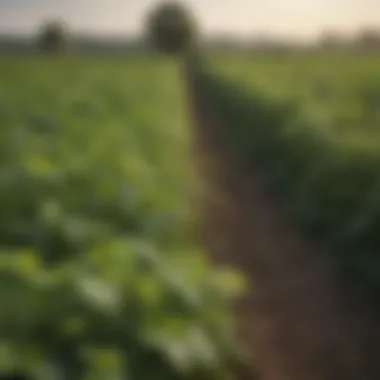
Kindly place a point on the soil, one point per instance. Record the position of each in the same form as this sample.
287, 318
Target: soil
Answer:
297, 321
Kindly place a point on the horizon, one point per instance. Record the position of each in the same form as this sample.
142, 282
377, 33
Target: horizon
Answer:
297, 19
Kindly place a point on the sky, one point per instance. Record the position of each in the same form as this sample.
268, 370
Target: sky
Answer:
291, 18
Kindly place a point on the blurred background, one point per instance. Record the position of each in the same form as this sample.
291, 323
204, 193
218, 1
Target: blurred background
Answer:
103, 270
117, 25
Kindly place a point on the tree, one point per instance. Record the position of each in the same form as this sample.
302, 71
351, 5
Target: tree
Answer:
171, 28
53, 36
369, 38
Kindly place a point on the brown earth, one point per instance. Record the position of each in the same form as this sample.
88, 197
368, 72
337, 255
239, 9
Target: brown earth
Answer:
298, 322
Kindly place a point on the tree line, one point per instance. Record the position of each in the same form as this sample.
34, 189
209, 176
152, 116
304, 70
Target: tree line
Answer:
170, 28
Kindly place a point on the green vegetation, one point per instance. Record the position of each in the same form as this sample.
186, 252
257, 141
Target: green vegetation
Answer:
311, 122
101, 273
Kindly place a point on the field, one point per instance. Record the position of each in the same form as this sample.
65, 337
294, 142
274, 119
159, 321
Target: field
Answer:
101, 268
103, 273
311, 122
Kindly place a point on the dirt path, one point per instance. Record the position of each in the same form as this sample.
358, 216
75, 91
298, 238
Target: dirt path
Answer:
297, 320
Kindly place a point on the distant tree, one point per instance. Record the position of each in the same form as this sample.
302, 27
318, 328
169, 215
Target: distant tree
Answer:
53, 36
369, 38
171, 28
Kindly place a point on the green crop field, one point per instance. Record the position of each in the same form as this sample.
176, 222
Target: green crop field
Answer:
102, 271
102, 275
311, 121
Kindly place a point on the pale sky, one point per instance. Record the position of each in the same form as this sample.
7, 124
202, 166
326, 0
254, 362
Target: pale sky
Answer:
299, 18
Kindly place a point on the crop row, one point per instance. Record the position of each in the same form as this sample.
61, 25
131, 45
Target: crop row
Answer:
101, 272
311, 124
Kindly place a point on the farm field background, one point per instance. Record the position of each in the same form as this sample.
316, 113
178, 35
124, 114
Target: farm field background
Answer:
311, 121
101, 268
338, 91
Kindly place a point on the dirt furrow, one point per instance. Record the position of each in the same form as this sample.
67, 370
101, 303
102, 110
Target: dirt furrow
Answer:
297, 321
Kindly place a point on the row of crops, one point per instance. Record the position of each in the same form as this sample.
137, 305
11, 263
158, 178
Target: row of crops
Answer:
101, 273
311, 123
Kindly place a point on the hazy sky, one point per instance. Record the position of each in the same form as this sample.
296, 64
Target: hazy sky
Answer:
300, 18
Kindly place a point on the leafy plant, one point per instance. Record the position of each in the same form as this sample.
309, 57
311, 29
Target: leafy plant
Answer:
101, 273
310, 123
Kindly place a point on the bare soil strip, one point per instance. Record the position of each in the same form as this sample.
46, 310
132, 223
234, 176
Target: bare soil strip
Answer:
298, 322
